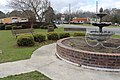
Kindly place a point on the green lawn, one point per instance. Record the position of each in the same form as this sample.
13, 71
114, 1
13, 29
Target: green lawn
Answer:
11, 52
116, 36
27, 76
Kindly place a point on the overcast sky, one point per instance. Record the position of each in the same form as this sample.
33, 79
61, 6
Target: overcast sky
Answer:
62, 5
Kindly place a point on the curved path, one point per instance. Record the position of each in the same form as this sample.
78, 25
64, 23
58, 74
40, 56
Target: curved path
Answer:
45, 61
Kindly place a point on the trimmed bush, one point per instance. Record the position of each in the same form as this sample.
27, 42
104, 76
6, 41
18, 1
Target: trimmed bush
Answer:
52, 36
39, 37
43, 27
2, 27
79, 34
25, 40
17, 27
8, 27
24, 26
63, 35
36, 26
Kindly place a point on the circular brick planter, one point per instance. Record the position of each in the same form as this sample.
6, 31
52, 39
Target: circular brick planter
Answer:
86, 58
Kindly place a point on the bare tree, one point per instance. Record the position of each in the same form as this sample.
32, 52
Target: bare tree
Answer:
49, 15
36, 6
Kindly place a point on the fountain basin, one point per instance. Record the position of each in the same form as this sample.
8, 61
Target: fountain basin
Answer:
101, 14
101, 24
96, 35
87, 58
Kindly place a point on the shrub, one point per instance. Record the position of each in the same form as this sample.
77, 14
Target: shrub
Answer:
79, 34
35, 26
17, 27
25, 40
2, 27
24, 26
64, 35
45, 27
52, 36
8, 27
39, 37
41, 27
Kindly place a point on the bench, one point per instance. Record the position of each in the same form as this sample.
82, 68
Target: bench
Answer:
18, 32
75, 29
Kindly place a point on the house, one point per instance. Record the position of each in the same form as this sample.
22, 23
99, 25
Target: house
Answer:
13, 20
80, 20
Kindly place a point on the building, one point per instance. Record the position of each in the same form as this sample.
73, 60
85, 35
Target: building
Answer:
13, 20
80, 20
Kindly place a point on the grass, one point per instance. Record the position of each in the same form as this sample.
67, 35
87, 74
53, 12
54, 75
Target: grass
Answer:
116, 36
27, 76
10, 50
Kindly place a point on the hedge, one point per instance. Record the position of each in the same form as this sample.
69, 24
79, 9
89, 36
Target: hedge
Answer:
63, 35
79, 34
52, 36
25, 40
39, 37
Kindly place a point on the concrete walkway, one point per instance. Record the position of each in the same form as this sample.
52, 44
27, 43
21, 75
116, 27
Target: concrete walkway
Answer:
45, 61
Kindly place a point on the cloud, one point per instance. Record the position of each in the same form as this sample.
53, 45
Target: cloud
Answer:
4, 6
63, 5
85, 5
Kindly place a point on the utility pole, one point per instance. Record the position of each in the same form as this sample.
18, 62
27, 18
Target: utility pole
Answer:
96, 10
96, 6
69, 13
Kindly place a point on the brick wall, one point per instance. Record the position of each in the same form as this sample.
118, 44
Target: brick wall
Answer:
92, 59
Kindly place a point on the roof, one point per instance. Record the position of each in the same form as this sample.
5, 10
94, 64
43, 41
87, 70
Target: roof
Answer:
80, 19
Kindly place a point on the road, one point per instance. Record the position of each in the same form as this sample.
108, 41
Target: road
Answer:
92, 28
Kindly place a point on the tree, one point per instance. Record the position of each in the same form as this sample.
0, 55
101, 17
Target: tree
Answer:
58, 16
49, 15
36, 6
15, 13
2, 15
113, 15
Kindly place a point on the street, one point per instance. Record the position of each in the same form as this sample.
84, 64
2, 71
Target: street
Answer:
91, 28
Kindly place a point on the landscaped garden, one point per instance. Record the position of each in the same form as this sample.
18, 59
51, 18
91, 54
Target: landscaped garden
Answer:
12, 52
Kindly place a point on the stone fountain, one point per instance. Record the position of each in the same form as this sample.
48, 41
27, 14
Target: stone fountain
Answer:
100, 35
75, 50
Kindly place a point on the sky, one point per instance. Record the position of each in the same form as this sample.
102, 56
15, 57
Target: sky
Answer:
63, 5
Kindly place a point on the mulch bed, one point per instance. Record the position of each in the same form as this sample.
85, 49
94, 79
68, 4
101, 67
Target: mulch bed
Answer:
80, 43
